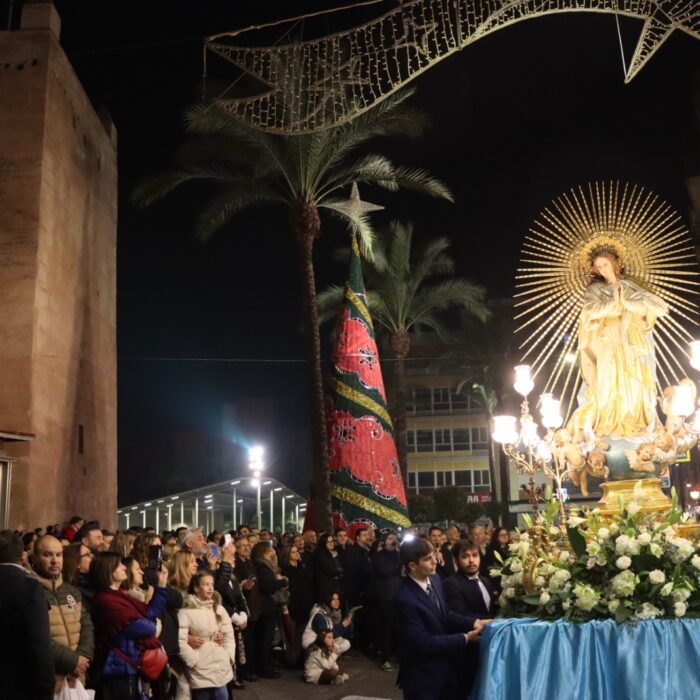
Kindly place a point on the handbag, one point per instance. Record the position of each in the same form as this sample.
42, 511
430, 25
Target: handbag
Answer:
281, 596
150, 664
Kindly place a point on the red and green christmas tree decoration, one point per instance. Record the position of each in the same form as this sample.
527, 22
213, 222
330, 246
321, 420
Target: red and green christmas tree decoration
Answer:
366, 483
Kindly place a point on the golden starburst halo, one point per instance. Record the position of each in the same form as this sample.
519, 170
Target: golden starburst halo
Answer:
648, 237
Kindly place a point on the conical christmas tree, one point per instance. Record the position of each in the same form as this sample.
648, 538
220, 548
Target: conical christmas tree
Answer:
366, 484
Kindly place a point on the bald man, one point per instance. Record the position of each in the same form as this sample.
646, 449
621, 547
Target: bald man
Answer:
72, 640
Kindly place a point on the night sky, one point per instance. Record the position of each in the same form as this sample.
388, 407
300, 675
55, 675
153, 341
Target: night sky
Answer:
517, 117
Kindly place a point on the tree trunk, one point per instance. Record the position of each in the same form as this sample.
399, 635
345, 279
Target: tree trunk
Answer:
400, 345
306, 226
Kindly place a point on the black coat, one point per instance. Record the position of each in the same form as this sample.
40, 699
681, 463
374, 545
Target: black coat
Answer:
26, 660
329, 573
387, 573
267, 584
463, 596
301, 590
357, 579
232, 597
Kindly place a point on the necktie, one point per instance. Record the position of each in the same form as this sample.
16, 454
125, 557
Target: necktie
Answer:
433, 598
476, 581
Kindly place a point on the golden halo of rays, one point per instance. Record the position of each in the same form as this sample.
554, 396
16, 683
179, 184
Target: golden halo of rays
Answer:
555, 271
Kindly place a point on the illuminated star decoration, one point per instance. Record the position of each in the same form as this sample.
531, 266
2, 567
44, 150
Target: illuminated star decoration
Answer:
316, 84
354, 208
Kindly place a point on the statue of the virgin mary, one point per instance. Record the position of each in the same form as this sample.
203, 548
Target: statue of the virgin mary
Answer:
616, 348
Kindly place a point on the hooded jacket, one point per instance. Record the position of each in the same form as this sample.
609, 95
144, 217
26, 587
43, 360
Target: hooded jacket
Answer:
71, 627
210, 666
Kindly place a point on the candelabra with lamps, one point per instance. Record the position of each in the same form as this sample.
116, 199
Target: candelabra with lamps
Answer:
530, 452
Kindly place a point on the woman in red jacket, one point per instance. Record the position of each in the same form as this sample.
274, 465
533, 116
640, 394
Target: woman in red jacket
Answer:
124, 627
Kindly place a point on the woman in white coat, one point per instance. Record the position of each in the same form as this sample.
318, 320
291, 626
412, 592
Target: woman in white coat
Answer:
209, 667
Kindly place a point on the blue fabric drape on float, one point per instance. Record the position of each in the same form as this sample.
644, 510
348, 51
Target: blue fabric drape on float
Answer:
598, 660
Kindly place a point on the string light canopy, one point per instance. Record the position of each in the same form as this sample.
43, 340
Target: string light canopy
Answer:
651, 242
313, 85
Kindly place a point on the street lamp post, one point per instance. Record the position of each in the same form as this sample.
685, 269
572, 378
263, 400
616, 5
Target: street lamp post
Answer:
256, 464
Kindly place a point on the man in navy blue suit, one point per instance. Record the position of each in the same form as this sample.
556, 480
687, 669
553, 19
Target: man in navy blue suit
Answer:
432, 639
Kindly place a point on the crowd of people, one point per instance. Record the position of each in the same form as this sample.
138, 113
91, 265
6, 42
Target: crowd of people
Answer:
137, 614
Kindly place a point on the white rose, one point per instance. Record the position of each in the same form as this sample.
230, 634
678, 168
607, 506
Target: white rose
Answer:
683, 549
591, 563
614, 528
655, 549
633, 508
565, 556
624, 583
666, 589
544, 598
657, 576
613, 605
648, 612
539, 582
680, 595
593, 548
679, 609
603, 534
695, 561
623, 562
644, 539
586, 597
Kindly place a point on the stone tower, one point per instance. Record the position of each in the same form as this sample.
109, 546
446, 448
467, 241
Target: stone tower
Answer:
58, 212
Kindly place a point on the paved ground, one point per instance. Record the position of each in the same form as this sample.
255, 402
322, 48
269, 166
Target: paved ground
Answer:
367, 680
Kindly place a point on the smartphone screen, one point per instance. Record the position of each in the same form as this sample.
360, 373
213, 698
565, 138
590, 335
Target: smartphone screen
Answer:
215, 551
227, 540
155, 557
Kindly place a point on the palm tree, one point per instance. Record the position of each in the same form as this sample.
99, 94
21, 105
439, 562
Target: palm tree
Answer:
404, 292
304, 175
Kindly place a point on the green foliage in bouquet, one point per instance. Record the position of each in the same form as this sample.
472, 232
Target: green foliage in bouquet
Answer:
633, 566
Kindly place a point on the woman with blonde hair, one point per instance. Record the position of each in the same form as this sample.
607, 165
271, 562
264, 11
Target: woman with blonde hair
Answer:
182, 567
209, 668
123, 543
169, 550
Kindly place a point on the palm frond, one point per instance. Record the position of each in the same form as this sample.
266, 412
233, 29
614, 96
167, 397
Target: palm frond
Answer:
231, 201
451, 293
329, 302
422, 181
161, 184
358, 225
372, 169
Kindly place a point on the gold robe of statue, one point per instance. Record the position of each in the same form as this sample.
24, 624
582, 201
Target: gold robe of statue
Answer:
616, 345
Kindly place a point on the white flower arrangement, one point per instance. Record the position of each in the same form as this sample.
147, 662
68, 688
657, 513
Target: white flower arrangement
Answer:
634, 566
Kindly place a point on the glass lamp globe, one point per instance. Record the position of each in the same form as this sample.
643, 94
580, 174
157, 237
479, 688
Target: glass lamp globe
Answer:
523, 381
504, 431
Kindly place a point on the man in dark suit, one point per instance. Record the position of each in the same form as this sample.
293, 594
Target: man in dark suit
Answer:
468, 593
26, 659
432, 639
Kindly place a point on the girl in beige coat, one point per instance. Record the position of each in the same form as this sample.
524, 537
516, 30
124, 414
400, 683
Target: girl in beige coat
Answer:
209, 666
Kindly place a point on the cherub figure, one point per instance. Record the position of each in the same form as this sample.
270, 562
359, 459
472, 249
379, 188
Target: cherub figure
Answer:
640, 460
665, 449
595, 466
568, 454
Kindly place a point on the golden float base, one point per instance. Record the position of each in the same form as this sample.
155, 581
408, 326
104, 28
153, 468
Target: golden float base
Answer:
653, 499
691, 531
